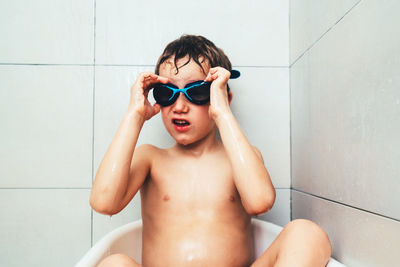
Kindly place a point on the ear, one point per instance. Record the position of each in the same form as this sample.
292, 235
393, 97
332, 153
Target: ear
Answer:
230, 96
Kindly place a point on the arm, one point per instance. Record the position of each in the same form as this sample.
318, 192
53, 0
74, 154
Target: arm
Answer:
123, 170
250, 175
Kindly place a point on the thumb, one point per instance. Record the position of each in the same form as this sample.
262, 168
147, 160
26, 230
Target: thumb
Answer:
156, 109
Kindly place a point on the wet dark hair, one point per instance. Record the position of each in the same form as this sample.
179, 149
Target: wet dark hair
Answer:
195, 47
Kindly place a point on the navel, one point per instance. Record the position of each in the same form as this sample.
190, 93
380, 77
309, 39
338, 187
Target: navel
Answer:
166, 198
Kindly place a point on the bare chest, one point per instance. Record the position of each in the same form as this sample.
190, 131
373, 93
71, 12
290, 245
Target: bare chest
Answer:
192, 185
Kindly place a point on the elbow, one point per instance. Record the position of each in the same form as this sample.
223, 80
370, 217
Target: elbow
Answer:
100, 206
261, 205
259, 209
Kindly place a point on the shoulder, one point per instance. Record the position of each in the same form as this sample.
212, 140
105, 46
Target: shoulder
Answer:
147, 150
144, 156
147, 156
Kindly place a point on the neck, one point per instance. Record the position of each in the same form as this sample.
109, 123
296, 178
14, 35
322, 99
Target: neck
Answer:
208, 143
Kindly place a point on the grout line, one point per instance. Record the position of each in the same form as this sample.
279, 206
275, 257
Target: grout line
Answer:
91, 227
290, 144
312, 45
290, 123
35, 188
289, 52
125, 65
347, 205
290, 147
44, 64
94, 33
260, 66
93, 111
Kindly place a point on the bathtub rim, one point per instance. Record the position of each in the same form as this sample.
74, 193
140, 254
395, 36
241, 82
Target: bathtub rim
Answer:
100, 249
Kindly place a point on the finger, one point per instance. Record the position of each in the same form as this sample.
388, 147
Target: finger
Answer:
148, 79
145, 76
156, 109
162, 79
212, 75
208, 77
214, 70
222, 71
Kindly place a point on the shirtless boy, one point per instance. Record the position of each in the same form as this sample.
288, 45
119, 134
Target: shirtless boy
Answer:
199, 195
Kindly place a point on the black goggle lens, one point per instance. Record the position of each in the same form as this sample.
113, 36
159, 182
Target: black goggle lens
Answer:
200, 94
163, 95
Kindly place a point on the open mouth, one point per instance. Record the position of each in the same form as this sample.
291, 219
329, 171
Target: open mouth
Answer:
181, 125
180, 122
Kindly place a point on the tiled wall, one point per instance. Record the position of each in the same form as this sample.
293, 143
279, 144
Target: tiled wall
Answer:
345, 124
66, 68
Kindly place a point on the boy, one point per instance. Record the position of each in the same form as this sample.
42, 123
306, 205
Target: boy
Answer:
197, 196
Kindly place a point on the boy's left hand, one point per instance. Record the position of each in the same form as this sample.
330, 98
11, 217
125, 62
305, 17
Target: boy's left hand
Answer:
219, 101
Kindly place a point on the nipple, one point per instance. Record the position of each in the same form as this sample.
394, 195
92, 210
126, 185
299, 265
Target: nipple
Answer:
232, 198
166, 198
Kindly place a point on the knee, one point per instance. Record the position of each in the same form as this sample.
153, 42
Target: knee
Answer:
311, 234
119, 260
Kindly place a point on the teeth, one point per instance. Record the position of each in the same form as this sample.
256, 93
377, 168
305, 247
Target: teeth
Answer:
181, 122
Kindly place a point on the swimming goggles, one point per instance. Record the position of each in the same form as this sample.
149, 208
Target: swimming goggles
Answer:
197, 92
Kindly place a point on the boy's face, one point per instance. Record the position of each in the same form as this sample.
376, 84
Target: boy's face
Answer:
186, 122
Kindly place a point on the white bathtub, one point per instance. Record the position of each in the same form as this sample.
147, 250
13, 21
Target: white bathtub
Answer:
127, 239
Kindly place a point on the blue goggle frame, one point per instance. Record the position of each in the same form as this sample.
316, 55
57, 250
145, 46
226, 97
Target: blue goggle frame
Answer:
199, 97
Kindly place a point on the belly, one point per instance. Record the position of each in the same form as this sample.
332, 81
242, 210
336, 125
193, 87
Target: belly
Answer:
197, 244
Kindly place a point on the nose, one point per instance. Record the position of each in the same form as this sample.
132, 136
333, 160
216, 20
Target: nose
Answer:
181, 104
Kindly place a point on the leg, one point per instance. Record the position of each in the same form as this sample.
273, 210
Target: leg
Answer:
119, 260
301, 243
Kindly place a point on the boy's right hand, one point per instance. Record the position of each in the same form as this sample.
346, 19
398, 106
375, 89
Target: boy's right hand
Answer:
140, 91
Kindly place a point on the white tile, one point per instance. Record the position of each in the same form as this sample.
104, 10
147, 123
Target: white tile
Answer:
280, 213
261, 106
310, 19
42, 227
47, 31
103, 224
112, 95
359, 239
136, 32
46, 126
346, 112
